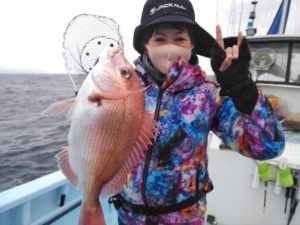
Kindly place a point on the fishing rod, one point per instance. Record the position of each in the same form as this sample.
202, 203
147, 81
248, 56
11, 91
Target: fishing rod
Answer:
294, 200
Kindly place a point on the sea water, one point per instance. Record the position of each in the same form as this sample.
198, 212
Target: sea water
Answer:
28, 140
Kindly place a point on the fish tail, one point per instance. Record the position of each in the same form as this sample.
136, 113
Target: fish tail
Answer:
91, 215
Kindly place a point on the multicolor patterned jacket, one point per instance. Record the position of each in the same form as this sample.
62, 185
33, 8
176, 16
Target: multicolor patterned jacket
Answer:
190, 108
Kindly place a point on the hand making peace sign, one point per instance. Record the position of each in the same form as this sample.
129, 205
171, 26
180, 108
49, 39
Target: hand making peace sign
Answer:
232, 52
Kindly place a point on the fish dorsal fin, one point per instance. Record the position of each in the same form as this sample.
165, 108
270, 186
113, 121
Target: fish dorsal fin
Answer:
147, 133
61, 108
63, 163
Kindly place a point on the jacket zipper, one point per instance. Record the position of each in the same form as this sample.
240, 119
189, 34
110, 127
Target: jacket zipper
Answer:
149, 152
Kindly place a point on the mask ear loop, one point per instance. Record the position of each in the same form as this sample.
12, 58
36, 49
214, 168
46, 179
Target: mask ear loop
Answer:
146, 58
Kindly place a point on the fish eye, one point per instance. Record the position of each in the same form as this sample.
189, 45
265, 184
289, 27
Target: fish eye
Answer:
125, 73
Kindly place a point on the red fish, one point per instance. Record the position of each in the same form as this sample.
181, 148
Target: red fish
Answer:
109, 133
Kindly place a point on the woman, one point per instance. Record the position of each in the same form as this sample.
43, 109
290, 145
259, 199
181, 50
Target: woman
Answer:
171, 185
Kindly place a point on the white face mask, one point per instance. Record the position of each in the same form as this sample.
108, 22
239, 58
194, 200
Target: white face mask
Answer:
163, 57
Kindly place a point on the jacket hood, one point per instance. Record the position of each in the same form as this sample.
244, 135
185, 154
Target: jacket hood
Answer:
186, 76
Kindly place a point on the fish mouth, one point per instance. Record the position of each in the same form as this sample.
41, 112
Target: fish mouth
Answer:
113, 51
97, 96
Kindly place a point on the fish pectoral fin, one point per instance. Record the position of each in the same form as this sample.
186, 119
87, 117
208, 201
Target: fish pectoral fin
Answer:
137, 155
148, 131
63, 163
61, 108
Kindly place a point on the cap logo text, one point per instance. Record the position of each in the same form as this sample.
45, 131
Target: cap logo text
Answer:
164, 6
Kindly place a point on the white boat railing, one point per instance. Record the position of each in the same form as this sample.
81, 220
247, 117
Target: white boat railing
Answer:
22, 193
38, 201
50, 199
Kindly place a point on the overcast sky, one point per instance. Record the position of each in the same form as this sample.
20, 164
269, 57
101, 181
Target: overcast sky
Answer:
31, 31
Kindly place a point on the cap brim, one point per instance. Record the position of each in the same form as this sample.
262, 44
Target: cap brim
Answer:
171, 18
204, 41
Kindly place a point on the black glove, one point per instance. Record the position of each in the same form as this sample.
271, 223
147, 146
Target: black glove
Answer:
236, 81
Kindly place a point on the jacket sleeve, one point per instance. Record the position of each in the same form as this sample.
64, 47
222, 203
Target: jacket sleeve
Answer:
258, 135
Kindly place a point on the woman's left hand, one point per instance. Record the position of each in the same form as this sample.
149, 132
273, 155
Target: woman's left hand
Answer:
232, 52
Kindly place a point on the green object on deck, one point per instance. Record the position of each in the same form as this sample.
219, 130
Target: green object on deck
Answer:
264, 171
286, 177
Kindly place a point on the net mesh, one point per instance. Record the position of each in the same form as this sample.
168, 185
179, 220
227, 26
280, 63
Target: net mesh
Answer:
87, 38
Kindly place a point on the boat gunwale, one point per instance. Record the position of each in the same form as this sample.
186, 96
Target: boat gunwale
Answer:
25, 192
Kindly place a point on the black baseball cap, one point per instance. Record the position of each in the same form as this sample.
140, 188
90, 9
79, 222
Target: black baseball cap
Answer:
164, 11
